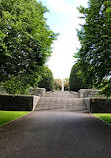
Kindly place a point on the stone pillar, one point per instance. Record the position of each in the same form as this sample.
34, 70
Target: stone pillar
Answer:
63, 85
37, 91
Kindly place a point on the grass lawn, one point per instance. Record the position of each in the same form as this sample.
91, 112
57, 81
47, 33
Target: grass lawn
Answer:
104, 116
7, 116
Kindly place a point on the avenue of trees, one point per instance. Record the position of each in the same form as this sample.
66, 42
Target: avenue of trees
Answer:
94, 56
25, 44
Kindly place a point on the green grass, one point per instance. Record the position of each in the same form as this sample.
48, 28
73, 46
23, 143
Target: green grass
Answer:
104, 116
7, 116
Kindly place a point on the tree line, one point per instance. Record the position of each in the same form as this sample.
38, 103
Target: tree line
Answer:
94, 55
25, 47
25, 44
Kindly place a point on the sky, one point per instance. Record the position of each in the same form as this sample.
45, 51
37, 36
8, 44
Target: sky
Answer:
63, 18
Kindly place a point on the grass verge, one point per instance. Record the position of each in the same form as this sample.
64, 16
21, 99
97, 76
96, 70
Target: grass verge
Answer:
104, 116
7, 116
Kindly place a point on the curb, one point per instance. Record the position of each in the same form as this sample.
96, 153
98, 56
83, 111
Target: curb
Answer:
14, 120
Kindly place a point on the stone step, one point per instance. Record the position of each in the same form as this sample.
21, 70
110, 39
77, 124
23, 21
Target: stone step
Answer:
67, 104
62, 109
61, 94
62, 101
47, 100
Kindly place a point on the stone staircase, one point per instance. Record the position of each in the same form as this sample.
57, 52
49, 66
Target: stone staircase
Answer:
62, 101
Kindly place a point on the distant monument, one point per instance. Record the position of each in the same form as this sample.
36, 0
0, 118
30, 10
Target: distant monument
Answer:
63, 84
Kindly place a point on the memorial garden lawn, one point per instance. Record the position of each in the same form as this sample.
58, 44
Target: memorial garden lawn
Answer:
104, 116
7, 116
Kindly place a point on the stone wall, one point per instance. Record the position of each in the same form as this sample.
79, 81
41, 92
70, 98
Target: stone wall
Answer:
18, 103
2, 90
35, 101
87, 103
37, 91
84, 93
98, 105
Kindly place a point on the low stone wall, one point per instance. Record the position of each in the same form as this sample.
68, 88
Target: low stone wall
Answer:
35, 101
98, 105
87, 103
2, 90
37, 91
84, 93
18, 103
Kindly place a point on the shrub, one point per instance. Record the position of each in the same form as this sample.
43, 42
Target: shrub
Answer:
75, 81
66, 84
57, 84
47, 80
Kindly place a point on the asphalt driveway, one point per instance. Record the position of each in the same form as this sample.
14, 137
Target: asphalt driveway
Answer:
55, 134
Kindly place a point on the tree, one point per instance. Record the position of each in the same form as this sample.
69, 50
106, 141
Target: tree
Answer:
66, 84
47, 80
57, 84
94, 56
75, 81
25, 42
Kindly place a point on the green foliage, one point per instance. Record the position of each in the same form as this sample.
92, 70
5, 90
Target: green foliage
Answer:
94, 56
19, 84
47, 80
25, 42
57, 84
76, 81
66, 84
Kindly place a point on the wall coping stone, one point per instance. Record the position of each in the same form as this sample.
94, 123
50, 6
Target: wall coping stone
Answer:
85, 93
37, 91
2, 90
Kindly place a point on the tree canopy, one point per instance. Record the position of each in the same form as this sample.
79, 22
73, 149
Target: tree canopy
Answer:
94, 56
47, 80
66, 84
57, 84
25, 43
76, 81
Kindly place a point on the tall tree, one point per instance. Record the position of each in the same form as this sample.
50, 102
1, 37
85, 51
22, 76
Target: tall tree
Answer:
66, 84
75, 81
58, 84
94, 56
25, 41
47, 80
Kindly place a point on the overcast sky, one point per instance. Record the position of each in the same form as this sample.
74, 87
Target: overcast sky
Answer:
63, 19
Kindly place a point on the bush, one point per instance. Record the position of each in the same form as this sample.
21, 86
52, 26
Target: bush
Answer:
66, 84
47, 80
19, 84
57, 84
75, 81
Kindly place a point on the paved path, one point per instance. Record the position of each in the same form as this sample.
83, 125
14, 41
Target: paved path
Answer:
49, 134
